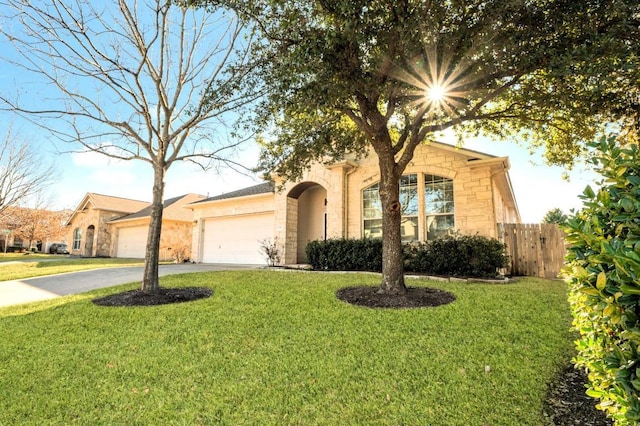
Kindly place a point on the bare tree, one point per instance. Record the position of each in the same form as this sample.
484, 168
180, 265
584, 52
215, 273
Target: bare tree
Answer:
37, 222
149, 80
22, 171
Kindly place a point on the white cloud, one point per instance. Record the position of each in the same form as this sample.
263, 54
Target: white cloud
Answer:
112, 176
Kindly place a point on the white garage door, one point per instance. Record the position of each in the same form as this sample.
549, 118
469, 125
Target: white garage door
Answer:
132, 242
236, 239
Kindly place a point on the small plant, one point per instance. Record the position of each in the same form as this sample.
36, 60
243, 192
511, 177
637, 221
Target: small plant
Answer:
180, 253
271, 250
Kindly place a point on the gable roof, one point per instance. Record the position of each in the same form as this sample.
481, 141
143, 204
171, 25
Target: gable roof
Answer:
173, 209
262, 188
107, 203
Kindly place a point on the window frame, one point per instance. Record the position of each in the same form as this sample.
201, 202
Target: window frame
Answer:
445, 210
77, 238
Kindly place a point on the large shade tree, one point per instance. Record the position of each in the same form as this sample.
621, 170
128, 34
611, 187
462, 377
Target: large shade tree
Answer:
147, 80
353, 75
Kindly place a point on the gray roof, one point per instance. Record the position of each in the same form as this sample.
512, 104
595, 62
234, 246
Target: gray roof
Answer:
262, 188
146, 212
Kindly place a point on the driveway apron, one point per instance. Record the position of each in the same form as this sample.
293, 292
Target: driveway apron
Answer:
53, 286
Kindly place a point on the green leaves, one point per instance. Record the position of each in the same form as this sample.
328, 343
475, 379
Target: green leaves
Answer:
603, 273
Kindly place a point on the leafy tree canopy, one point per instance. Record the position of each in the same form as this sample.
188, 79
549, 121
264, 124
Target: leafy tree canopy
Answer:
348, 74
555, 216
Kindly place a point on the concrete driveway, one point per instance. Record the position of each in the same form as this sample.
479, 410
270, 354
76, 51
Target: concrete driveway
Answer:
52, 286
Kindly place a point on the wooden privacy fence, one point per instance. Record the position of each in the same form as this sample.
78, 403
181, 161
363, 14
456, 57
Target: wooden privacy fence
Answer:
536, 250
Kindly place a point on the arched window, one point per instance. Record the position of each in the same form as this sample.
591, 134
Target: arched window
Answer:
77, 238
438, 206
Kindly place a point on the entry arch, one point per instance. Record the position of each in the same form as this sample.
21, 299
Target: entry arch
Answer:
310, 221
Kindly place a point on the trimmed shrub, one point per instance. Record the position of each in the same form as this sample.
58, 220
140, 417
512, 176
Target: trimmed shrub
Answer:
459, 255
603, 274
340, 254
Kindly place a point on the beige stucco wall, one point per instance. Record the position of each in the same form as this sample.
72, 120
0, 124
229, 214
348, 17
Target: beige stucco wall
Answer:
262, 203
311, 211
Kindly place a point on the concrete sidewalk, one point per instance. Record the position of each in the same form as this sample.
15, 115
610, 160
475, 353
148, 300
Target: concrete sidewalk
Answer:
53, 286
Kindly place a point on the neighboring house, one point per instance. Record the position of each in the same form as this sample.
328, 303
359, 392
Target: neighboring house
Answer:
108, 226
130, 232
443, 189
90, 234
24, 228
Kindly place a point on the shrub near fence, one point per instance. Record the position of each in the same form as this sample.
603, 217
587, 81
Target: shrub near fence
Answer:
458, 255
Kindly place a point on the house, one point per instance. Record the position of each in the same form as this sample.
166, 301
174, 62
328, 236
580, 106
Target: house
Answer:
443, 189
33, 229
130, 232
108, 226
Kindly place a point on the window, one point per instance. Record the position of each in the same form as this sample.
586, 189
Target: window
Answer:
409, 203
77, 238
438, 205
372, 209
372, 212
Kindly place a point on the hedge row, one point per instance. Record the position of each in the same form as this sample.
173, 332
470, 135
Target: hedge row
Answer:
603, 273
457, 255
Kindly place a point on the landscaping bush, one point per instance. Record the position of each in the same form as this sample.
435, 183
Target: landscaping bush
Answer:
458, 255
340, 254
603, 274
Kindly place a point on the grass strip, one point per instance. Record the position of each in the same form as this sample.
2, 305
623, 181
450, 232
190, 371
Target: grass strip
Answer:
50, 266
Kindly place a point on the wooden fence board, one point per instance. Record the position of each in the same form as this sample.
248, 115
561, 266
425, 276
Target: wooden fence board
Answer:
536, 250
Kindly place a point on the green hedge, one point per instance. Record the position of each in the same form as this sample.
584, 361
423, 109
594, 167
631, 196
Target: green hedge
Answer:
603, 274
458, 255
345, 255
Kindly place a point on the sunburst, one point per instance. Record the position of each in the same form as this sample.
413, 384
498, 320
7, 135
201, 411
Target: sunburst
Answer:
437, 85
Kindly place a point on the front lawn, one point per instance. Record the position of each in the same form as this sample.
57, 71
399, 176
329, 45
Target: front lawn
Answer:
277, 347
29, 267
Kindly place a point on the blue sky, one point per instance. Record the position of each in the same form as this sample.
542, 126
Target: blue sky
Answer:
538, 187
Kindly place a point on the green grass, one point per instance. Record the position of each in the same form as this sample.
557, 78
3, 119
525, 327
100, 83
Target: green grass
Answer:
274, 348
10, 257
32, 267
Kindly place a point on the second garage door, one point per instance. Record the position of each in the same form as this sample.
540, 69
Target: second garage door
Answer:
132, 242
236, 239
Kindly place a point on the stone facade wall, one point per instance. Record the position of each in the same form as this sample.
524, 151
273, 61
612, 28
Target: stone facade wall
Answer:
175, 239
472, 186
175, 242
100, 244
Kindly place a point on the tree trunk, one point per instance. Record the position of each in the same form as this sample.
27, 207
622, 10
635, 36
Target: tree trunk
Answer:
150, 282
392, 257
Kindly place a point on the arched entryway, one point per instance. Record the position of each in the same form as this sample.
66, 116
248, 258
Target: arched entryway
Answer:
88, 241
311, 218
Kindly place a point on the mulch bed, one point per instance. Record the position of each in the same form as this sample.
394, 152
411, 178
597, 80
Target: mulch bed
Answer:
414, 297
163, 296
567, 404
